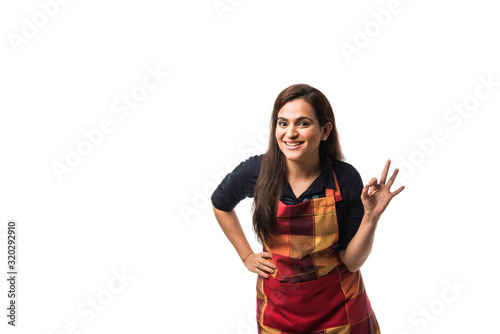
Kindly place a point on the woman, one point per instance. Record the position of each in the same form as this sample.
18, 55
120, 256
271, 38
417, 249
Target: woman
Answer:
314, 218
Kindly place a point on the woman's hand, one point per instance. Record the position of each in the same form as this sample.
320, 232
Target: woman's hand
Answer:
257, 263
376, 196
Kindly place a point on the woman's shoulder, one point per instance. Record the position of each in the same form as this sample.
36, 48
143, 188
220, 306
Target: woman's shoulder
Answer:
349, 179
344, 170
255, 160
249, 166
237, 184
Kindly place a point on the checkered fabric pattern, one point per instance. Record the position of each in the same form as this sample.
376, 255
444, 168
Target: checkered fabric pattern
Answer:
311, 291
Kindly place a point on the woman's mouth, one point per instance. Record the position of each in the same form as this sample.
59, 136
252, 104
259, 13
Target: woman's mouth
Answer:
292, 145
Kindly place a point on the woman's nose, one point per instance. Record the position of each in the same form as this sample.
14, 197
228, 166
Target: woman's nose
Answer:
292, 132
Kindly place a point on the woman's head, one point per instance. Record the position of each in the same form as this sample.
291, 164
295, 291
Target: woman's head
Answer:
297, 101
291, 104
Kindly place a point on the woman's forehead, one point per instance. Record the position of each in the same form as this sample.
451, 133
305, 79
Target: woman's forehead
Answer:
295, 109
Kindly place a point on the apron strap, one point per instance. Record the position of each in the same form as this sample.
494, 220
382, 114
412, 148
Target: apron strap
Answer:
338, 195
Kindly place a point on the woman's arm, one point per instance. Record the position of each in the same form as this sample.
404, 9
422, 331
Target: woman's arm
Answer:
360, 246
228, 221
375, 197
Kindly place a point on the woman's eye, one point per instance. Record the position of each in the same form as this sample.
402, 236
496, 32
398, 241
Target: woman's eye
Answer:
281, 123
304, 123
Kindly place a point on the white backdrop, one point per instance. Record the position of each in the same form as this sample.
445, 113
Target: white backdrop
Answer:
119, 118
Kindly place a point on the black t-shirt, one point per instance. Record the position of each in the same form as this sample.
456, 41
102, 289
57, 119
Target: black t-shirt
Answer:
240, 183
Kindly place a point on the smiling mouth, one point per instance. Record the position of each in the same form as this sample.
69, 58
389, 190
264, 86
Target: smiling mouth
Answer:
293, 144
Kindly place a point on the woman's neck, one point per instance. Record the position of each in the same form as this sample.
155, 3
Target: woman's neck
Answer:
304, 170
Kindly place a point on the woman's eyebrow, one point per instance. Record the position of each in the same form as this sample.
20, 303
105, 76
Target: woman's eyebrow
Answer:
297, 119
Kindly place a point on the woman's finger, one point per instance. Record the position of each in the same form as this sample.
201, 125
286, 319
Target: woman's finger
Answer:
266, 255
385, 172
372, 182
266, 265
397, 191
364, 192
261, 273
393, 177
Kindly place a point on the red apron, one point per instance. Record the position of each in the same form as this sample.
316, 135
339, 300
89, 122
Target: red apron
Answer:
311, 290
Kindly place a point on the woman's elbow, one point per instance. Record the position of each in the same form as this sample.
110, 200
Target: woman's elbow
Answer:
352, 267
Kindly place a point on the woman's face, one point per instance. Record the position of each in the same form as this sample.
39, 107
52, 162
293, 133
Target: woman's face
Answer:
298, 132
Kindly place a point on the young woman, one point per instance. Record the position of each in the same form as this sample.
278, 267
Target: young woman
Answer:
314, 218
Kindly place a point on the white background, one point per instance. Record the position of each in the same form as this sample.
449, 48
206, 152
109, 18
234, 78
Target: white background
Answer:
139, 201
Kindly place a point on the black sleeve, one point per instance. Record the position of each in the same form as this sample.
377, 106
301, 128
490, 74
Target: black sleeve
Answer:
237, 185
353, 210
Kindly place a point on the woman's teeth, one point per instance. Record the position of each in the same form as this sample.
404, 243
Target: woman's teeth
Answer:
293, 144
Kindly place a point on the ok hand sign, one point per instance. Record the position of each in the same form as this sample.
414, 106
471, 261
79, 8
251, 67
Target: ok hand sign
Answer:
376, 196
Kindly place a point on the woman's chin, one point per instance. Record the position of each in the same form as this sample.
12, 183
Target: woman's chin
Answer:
294, 156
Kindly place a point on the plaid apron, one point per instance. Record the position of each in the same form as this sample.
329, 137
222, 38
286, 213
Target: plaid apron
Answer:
311, 290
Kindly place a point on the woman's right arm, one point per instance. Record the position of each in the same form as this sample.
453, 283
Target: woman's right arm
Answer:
228, 221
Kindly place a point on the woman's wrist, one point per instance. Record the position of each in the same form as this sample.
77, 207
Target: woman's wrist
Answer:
245, 257
370, 217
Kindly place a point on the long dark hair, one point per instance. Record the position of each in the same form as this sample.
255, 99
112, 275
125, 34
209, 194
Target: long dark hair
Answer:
272, 176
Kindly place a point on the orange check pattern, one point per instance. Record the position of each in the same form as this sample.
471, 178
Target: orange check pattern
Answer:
311, 291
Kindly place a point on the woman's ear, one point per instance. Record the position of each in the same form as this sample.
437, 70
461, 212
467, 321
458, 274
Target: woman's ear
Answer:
327, 128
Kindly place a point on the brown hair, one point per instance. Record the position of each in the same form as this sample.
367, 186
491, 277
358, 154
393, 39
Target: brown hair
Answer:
272, 177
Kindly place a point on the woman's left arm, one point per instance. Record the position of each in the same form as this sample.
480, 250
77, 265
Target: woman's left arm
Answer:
375, 197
